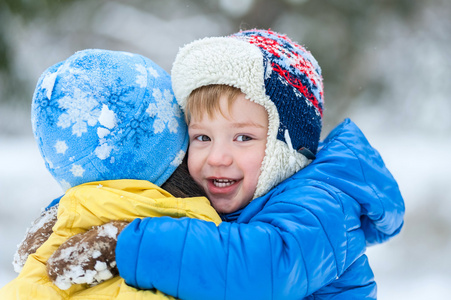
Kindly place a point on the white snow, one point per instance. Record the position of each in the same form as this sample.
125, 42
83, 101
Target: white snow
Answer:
103, 273
413, 51
102, 132
26, 188
48, 83
103, 151
107, 117
74, 271
96, 254
108, 230
47, 216
62, 283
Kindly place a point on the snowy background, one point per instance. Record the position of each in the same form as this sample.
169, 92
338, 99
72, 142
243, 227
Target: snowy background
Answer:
386, 64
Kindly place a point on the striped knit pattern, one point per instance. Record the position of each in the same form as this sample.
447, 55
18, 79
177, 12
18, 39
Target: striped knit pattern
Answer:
295, 86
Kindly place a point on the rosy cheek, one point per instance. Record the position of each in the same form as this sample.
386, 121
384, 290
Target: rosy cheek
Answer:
192, 165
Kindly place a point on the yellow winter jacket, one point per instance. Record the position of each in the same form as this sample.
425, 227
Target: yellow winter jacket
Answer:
93, 204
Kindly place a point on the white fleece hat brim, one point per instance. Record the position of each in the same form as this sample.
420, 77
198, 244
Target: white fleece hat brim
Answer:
234, 62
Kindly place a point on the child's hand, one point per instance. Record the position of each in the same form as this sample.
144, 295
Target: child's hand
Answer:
87, 257
35, 236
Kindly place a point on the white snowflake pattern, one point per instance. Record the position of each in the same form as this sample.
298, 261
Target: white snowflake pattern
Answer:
141, 79
80, 110
178, 158
165, 111
153, 72
65, 185
61, 147
77, 170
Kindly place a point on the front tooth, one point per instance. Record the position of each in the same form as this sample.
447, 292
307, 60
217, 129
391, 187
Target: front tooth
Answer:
223, 182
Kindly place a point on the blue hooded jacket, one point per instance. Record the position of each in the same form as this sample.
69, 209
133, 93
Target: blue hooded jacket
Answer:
305, 239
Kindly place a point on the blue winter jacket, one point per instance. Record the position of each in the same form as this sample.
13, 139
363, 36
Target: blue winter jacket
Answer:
306, 238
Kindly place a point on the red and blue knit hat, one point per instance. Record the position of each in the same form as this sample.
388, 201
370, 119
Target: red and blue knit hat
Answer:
270, 70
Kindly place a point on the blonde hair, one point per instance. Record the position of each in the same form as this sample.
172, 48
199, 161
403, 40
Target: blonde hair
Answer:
205, 100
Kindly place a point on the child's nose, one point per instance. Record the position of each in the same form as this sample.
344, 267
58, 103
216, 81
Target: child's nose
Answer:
220, 155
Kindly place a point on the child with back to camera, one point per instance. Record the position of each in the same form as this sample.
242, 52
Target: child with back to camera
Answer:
298, 217
107, 125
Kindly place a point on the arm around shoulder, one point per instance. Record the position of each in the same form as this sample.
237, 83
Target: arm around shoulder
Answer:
288, 249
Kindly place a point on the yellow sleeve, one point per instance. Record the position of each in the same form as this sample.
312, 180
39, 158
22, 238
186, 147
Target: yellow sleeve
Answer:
94, 204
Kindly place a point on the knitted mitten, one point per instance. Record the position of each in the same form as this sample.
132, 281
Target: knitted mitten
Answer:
86, 257
35, 236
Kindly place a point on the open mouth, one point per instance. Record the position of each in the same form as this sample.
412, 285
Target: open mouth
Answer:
223, 182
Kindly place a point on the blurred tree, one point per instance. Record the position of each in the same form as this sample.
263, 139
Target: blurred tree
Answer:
23, 12
340, 34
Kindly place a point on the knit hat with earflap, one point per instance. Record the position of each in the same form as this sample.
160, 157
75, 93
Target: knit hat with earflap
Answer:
270, 70
104, 115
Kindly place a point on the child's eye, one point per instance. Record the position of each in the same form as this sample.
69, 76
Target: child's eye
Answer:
243, 138
202, 138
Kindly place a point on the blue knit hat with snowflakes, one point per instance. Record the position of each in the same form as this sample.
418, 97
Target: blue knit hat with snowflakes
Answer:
104, 115
270, 70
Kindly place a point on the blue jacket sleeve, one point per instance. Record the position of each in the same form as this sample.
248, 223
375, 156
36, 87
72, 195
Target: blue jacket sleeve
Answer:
357, 282
288, 250
54, 202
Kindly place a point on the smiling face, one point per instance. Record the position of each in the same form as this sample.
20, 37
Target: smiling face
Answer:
226, 151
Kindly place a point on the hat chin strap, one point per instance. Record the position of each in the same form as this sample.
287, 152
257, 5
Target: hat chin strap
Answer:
280, 162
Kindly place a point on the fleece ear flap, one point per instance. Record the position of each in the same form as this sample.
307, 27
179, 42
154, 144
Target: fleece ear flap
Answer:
272, 71
280, 162
235, 62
